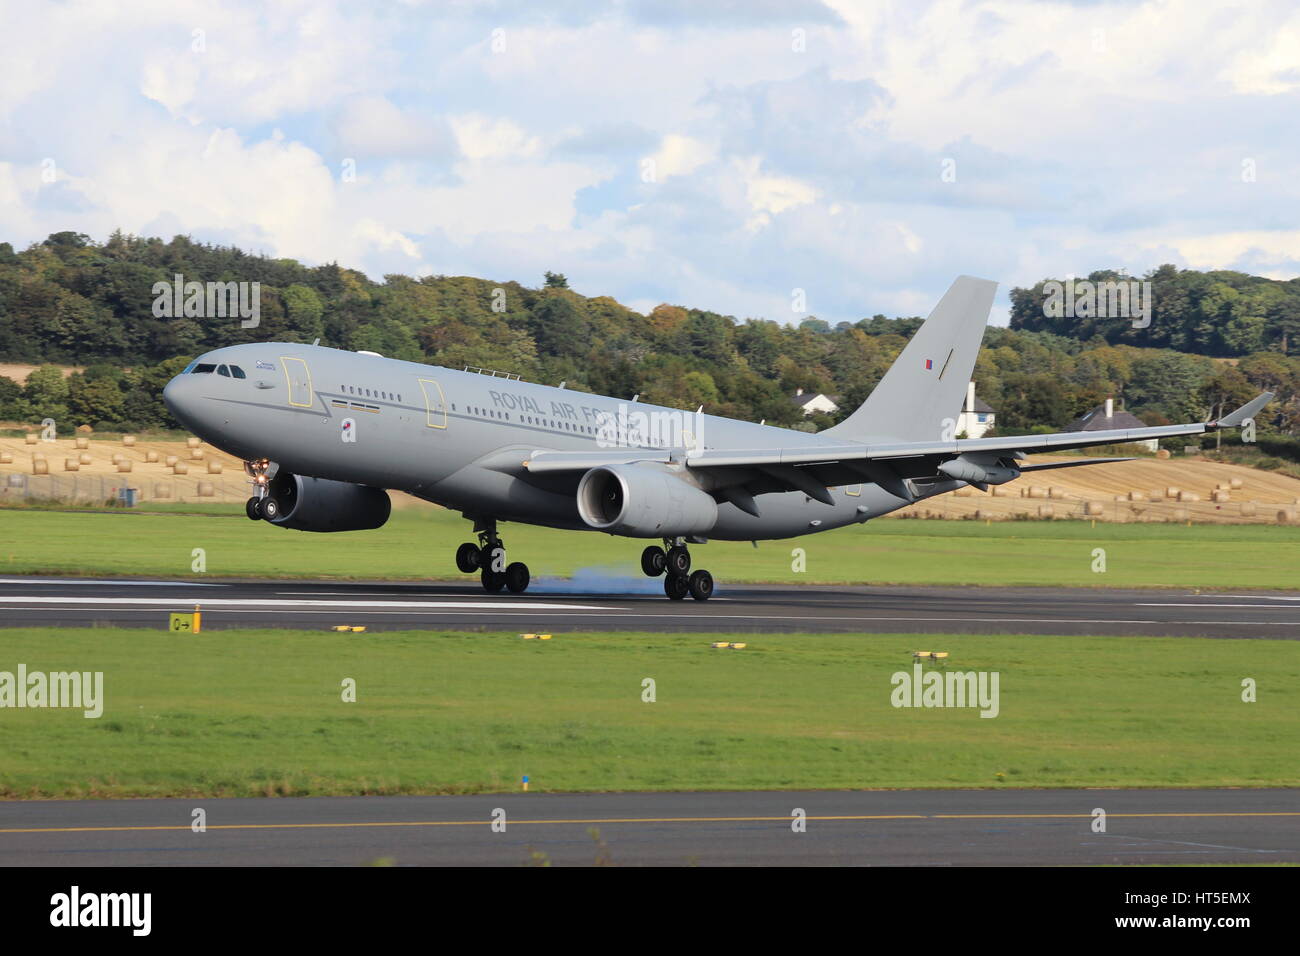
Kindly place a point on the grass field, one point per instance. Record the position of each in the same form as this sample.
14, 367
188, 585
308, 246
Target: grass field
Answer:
260, 712
419, 544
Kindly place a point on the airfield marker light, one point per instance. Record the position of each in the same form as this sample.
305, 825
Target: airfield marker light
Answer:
198, 620
720, 644
525, 784
736, 647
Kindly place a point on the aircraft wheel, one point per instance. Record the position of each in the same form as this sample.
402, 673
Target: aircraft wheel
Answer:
701, 585
517, 577
253, 508
270, 509
467, 558
653, 561
493, 581
678, 561
676, 587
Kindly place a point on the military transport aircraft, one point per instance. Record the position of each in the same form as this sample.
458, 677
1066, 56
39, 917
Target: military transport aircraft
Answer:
324, 433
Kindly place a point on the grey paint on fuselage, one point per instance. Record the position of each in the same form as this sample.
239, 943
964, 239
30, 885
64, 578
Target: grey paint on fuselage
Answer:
467, 454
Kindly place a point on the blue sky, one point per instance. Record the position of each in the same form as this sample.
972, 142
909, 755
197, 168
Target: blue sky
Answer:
712, 153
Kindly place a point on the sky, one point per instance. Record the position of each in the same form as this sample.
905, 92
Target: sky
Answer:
757, 158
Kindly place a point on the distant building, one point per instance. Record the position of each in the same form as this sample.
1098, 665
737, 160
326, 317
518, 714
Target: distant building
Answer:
811, 402
976, 416
1105, 417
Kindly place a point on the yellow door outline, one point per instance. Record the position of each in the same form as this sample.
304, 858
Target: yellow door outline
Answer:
854, 490
295, 389
435, 404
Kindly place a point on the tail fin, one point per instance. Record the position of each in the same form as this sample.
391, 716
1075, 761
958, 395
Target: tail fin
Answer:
922, 393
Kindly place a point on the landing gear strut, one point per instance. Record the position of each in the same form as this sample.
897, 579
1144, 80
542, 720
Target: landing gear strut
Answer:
256, 472
488, 558
675, 565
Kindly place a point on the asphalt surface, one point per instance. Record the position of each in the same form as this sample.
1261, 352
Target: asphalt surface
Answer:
638, 604
858, 828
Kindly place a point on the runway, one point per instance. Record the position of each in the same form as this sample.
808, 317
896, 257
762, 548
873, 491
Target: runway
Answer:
639, 605
854, 828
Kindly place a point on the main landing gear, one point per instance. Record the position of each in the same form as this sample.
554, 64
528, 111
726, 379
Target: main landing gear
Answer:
675, 565
488, 558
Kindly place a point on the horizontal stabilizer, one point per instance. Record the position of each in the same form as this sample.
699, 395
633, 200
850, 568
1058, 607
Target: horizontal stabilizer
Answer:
1247, 411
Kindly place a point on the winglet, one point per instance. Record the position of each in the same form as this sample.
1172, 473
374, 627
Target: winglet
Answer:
1249, 410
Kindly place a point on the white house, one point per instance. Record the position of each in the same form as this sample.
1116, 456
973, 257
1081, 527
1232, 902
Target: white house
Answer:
1105, 417
976, 416
811, 402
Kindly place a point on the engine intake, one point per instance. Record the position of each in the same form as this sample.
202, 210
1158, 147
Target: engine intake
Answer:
319, 504
643, 501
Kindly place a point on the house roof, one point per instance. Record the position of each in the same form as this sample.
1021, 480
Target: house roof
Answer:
1096, 421
803, 400
980, 406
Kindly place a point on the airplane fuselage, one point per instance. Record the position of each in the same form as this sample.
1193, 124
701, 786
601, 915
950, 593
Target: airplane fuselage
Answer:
461, 438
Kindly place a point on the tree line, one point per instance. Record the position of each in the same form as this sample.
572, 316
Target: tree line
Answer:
71, 300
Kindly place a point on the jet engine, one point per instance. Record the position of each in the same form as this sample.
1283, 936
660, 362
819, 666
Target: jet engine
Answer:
318, 504
644, 501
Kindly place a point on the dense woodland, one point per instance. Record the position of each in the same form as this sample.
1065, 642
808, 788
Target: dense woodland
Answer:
1216, 338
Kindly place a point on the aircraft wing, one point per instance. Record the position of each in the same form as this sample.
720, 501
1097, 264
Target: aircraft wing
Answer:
814, 468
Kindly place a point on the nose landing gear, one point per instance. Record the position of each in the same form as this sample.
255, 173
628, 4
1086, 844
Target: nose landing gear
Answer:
675, 565
255, 506
488, 558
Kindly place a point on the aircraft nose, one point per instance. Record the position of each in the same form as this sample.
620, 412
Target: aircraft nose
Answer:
179, 397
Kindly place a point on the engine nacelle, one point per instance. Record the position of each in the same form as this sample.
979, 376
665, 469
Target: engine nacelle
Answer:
318, 504
642, 501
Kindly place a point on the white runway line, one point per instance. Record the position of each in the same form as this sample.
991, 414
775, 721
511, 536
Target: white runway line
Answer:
77, 582
341, 605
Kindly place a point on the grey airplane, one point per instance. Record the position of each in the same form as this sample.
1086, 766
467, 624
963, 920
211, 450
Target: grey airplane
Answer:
325, 434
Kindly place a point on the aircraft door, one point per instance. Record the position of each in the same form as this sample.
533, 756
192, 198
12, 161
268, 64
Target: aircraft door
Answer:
299, 379
435, 404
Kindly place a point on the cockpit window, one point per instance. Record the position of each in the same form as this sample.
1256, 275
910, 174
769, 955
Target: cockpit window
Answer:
204, 369
189, 368
237, 372
222, 370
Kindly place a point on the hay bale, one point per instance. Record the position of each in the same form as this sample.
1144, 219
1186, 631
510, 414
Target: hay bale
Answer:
6, 458
196, 454
16, 481
1135, 496
1248, 509
151, 456
206, 489
83, 442
128, 440
124, 465
171, 460
1033, 491
962, 492
1180, 514
30, 439
1093, 508
1236, 484
1188, 496
84, 429
85, 458
1283, 517
1157, 494
40, 466
193, 442
214, 467
71, 464
1220, 496
1163, 453
1172, 492
118, 456
1046, 511
180, 468
162, 491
